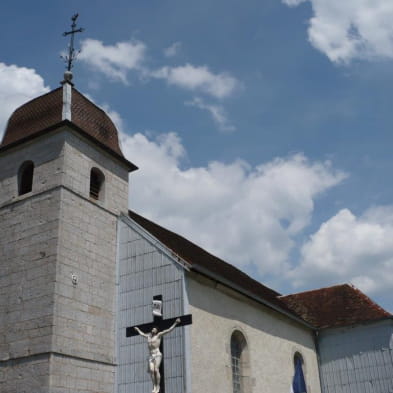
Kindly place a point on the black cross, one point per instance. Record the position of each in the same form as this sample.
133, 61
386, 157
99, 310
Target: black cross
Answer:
161, 324
71, 50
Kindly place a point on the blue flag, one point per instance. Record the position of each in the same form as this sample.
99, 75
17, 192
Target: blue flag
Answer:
298, 384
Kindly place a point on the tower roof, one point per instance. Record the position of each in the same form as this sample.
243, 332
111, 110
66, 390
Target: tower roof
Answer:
46, 113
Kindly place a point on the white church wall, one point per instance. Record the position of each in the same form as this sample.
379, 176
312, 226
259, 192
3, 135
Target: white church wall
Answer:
146, 270
272, 341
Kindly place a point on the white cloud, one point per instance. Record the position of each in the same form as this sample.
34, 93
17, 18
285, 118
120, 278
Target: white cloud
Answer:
198, 78
293, 3
351, 29
114, 61
172, 50
17, 86
350, 248
247, 215
216, 111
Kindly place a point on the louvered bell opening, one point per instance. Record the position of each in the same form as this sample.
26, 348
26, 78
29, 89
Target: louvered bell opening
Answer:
96, 182
94, 189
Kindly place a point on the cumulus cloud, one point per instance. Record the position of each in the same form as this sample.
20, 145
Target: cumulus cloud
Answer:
17, 86
351, 29
350, 248
114, 61
246, 215
172, 50
198, 78
217, 112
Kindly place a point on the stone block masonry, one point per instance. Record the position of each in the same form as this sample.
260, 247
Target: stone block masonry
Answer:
57, 334
84, 312
28, 244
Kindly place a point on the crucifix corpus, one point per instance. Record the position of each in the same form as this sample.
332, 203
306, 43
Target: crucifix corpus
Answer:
153, 332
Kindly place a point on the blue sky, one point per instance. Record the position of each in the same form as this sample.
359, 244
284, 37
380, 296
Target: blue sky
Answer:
262, 130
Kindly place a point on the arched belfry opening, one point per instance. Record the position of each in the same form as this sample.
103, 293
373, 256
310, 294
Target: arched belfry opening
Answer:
239, 362
25, 177
97, 180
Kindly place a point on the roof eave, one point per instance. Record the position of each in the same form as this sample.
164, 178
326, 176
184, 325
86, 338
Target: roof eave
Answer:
350, 325
156, 242
130, 166
202, 270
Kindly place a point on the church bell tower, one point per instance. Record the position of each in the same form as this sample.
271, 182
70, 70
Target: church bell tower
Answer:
64, 184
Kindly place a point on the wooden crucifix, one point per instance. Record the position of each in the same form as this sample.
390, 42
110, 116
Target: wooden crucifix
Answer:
153, 332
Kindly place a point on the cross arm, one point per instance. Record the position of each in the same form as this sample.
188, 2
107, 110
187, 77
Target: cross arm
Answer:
161, 325
81, 30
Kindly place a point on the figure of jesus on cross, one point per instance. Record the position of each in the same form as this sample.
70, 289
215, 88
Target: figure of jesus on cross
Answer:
153, 332
154, 342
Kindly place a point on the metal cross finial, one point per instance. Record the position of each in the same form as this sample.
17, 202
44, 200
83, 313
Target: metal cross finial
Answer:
71, 50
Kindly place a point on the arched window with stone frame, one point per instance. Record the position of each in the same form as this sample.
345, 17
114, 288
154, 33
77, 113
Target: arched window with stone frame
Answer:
97, 182
25, 177
239, 363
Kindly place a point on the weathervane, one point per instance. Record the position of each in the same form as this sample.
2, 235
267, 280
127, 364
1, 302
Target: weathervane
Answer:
71, 50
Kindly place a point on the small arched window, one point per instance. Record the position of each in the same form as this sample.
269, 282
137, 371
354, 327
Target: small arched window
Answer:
299, 382
97, 179
25, 177
239, 362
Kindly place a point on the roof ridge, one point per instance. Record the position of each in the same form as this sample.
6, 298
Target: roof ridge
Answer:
316, 289
92, 102
369, 299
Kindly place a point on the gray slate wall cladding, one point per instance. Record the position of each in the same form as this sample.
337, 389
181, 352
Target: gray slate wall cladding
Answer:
357, 360
145, 271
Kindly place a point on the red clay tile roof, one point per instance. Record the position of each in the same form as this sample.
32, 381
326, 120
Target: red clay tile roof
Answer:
195, 255
340, 305
45, 111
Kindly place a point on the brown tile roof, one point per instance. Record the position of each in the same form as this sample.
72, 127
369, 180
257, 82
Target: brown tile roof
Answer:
36, 115
340, 305
45, 112
94, 121
196, 256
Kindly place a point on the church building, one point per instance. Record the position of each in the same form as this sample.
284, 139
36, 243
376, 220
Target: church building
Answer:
79, 270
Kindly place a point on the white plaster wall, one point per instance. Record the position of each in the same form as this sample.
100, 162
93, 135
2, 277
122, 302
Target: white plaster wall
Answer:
272, 341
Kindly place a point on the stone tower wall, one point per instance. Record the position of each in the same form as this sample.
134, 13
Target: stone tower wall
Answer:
28, 251
57, 335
